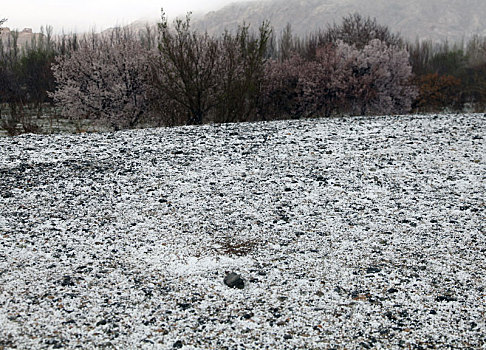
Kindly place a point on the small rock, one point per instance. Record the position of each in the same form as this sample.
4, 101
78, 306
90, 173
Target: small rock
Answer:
365, 345
184, 306
234, 280
445, 298
392, 290
67, 281
101, 323
373, 269
177, 345
287, 336
7, 194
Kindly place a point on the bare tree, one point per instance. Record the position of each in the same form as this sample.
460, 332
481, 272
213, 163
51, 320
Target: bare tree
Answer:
197, 78
241, 74
286, 43
359, 31
184, 71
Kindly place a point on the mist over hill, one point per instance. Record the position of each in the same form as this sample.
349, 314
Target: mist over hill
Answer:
423, 19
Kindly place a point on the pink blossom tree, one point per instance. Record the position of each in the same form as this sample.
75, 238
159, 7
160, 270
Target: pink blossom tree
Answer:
381, 79
104, 79
301, 88
324, 81
341, 79
280, 88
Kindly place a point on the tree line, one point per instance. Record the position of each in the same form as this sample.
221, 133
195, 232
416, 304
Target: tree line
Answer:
175, 75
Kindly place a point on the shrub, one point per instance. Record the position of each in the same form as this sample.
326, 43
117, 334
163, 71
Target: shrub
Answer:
436, 92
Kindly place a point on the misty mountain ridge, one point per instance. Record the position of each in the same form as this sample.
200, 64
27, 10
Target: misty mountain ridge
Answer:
436, 20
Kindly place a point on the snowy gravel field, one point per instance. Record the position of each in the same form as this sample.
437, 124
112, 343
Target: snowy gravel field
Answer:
348, 233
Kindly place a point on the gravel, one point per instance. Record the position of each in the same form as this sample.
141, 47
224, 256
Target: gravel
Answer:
347, 232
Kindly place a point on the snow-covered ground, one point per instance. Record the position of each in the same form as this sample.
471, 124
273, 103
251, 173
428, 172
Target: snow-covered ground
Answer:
348, 232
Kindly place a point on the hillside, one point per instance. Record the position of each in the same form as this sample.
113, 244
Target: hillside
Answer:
424, 19
347, 232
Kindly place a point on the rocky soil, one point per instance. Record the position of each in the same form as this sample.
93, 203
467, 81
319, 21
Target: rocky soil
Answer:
340, 233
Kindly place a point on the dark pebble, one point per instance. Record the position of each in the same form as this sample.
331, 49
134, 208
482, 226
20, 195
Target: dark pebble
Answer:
67, 281
184, 306
365, 345
373, 269
101, 323
234, 280
445, 298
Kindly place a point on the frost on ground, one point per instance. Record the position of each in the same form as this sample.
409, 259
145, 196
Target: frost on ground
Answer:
348, 232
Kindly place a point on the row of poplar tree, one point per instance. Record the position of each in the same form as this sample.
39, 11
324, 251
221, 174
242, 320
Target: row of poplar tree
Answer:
175, 75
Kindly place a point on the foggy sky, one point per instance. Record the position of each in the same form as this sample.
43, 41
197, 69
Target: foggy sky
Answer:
85, 15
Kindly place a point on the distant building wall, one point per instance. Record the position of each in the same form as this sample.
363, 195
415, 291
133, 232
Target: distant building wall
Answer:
24, 37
